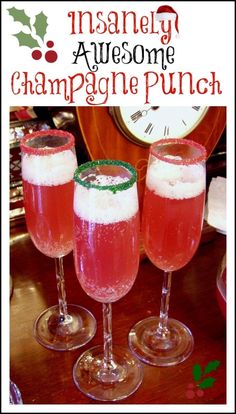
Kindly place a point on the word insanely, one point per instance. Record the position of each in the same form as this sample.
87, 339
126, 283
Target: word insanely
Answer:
103, 52
122, 22
97, 90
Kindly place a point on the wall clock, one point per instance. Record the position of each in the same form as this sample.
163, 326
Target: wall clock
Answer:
110, 132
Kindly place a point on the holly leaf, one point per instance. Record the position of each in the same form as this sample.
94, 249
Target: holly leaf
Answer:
25, 39
197, 372
211, 366
20, 16
41, 25
206, 383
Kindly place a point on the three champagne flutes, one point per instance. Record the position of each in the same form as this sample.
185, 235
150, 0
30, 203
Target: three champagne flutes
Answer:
105, 235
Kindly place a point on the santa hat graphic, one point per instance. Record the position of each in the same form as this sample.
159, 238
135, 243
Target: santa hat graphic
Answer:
168, 13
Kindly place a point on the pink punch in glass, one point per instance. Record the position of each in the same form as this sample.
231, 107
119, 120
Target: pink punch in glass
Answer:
110, 250
48, 165
106, 252
172, 221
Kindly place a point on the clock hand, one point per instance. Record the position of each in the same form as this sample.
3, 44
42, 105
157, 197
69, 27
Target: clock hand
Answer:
140, 114
153, 108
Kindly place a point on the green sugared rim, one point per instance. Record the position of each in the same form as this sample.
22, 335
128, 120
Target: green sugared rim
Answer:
114, 188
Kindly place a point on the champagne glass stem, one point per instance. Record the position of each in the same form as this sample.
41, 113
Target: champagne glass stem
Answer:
165, 298
61, 288
107, 335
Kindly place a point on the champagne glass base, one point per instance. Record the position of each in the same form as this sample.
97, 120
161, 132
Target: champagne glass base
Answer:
122, 380
152, 349
15, 395
53, 332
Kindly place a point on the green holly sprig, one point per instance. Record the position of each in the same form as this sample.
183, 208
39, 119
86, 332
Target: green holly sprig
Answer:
200, 376
40, 25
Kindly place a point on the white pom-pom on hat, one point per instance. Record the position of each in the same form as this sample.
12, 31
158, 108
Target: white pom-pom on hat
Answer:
168, 13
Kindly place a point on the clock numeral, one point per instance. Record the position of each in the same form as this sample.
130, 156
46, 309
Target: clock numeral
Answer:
136, 116
196, 108
149, 128
184, 122
166, 131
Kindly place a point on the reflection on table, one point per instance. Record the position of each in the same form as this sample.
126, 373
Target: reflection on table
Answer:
45, 377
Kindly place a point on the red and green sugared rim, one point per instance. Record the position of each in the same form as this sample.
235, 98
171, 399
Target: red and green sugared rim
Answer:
190, 151
38, 143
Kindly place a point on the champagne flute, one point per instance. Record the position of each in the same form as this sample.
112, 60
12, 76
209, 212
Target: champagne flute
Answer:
106, 253
15, 394
48, 165
172, 221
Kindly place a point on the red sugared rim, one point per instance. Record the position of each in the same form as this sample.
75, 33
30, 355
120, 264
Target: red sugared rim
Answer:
188, 161
49, 132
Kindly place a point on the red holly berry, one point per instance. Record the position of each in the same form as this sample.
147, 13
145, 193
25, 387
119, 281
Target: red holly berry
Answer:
50, 43
190, 394
51, 56
200, 393
36, 54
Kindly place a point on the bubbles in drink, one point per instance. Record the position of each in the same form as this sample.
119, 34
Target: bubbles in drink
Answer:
106, 206
49, 170
52, 248
103, 180
175, 181
106, 293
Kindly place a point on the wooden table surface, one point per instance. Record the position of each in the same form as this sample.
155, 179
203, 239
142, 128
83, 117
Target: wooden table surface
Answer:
45, 377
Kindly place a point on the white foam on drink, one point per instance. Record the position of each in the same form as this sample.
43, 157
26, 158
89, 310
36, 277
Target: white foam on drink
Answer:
175, 181
104, 206
49, 170
104, 180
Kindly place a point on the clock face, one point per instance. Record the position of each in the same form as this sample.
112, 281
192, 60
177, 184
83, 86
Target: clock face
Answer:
147, 124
